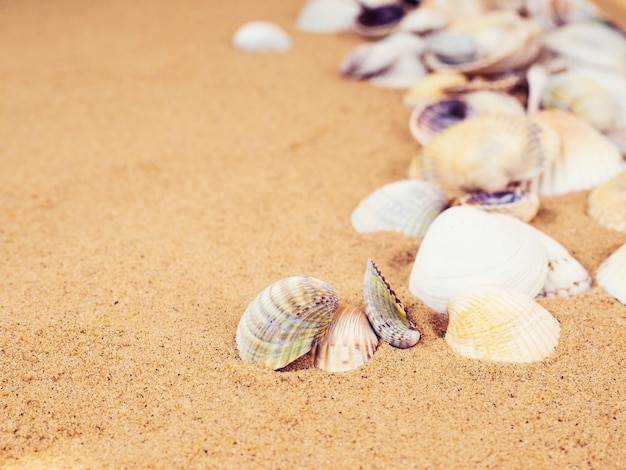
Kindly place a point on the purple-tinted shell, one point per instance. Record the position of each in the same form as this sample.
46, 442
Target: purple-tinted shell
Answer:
495, 198
378, 21
444, 113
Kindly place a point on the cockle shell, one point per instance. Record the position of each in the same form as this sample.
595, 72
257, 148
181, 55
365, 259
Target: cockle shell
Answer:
611, 274
500, 324
328, 16
484, 153
607, 203
385, 312
466, 246
516, 202
261, 36
350, 341
407, 206
285, 320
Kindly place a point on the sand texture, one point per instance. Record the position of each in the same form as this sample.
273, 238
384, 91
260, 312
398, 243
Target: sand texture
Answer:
154, 179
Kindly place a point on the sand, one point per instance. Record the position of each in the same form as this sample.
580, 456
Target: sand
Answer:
154, 180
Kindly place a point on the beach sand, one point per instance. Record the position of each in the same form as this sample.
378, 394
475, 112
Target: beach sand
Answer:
154, 180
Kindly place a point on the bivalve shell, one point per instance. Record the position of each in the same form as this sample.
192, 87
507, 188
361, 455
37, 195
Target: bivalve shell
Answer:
516, 202
328, 16
611, 274
607, 203
378, 21
261, 36
500, 324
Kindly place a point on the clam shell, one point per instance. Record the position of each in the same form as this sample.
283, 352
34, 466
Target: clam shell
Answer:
407, 206
466, 246
423, 20
385, 312
607, 203
516, 202
368, 60
431, 87
350, 341
378, 21
261, 36
611, 274
285, 320
484, 153
328, 16
500, 324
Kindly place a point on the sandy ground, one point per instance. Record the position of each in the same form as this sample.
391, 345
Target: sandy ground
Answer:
154, 180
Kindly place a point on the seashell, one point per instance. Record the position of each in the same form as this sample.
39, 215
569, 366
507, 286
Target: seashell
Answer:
349, 344
414, 171
536, 79
423, 20
431, 87
466, 246
403, 74
515, 202
378, 21
407, 206
328, 16
368, 60
484, 153
453, 48
385, 312
617, 135
500, 324
285, 320
585, 159
551, 14
611, 274
261, 36
607, 203
582, 96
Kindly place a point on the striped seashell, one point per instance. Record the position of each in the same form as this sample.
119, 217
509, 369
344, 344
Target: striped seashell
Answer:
611, 274
407, 206
261, 36
349, 344
466, 246
286, 320
500, 324
485, 153
515, 202
328, 16
607, 203
385, 312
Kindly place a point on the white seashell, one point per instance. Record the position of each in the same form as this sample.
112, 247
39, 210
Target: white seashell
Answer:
261, 36
611, 274
498, 323
551, 14
465, 246
349, 344
368, 60
407, 206
403, 74
423, 20
537, 79
328, 16
376, 21
515, 202
607, 203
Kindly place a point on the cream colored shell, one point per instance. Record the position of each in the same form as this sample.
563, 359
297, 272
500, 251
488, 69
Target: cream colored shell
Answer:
611, 274
607, 203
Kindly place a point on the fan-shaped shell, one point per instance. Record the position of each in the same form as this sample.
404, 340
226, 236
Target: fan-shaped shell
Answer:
500, 324
350, 341
516, 202
465, 247
607, 203
328, 16
407, 206
385, 312
285, 320
611, 274
261, 36
484, 153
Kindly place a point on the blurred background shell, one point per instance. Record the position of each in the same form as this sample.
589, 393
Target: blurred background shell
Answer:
285, 320
611, 274
327, 16
498, 323
261, 36
552, 14
607, 203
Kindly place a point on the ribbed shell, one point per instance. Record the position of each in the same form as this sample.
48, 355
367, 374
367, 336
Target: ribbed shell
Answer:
385, 312
611, 274
518, 203
500, 324
407, 206
327, 16
261, 36
607, 203
350, 341
484, 153
285, 320
465, 246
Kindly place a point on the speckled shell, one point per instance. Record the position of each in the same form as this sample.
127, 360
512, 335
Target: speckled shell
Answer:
327, 16
385, 312
286, 320
350, 341
607, 203
407, 206
516, 202
466, 246
611, 274
261, 36
484, 153
500, 324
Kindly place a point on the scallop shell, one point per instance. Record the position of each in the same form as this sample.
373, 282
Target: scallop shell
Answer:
485, 153
607, 203
466, 246
500, 324
611, 274
431, 87
350, 341
407, 206
516, 202
286, 320
385, 312
328, 16
261, 36
378, 21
